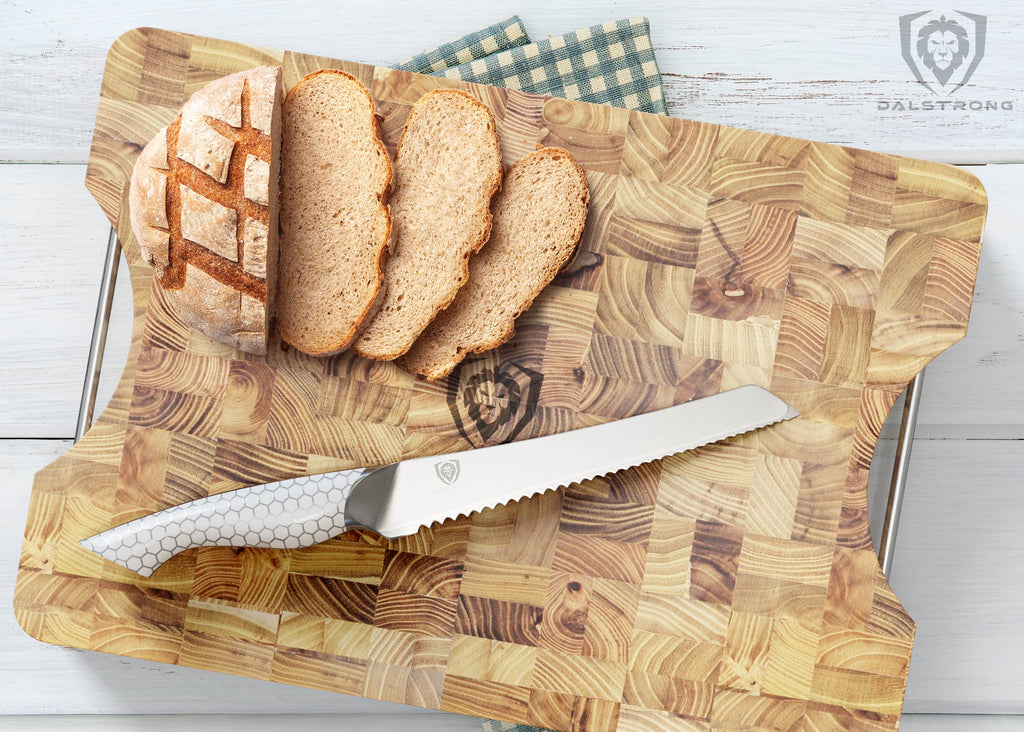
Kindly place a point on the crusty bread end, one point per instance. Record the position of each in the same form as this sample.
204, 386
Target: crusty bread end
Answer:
203, 207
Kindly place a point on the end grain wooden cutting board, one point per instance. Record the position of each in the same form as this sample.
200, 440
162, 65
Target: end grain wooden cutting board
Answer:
732, 587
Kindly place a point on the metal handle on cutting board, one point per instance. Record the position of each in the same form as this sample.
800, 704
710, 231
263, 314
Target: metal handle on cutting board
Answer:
94, 363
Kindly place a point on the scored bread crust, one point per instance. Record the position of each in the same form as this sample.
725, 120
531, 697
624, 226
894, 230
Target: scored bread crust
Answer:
482, 316
209, 232
373, 341
300, 326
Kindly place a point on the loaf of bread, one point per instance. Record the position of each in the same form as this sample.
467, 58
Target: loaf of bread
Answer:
203, 207
447, 169
335, 225
538, 219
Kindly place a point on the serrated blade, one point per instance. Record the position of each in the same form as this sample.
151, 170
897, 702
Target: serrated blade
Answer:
397, 499
425, 490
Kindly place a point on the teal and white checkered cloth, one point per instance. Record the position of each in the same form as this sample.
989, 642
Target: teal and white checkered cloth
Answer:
612, 63
485, 42
493, 725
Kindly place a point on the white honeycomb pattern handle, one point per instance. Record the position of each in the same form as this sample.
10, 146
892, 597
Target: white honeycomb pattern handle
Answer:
289, 514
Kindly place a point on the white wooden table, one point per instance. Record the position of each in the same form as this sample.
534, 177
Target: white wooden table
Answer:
801, 68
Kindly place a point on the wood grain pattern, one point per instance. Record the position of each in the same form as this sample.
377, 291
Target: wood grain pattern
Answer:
729, 587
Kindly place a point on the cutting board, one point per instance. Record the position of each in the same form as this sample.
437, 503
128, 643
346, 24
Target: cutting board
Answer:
733, 587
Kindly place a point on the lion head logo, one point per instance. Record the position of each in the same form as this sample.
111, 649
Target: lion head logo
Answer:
493, 400
943, 49
942, 45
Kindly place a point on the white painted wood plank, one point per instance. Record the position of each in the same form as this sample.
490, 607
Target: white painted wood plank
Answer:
960, 723
54, 236
799, 68
959, 571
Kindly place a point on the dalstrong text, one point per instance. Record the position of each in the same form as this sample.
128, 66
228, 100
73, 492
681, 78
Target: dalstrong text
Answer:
943, 104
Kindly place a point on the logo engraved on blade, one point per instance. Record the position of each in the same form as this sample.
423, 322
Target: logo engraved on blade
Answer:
447, 471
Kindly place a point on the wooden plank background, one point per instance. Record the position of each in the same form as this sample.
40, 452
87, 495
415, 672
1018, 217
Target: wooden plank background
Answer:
793, 68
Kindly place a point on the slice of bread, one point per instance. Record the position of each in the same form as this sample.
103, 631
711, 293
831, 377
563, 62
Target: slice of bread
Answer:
203, 207
447, 169
335, 225
538, 219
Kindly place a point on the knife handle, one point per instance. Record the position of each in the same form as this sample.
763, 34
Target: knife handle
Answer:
288, 514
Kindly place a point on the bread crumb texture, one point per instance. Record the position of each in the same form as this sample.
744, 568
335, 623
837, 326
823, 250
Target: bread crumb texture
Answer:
447, 169
335, 224
539, 216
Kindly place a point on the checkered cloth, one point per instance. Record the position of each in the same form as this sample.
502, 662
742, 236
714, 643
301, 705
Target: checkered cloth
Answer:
493, 725
502, 36
612, 63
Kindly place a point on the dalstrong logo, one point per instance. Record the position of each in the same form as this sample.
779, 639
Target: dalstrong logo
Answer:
447, 471
493, 400
943, 49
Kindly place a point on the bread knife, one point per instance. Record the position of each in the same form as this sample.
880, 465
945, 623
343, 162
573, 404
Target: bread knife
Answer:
396, 500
